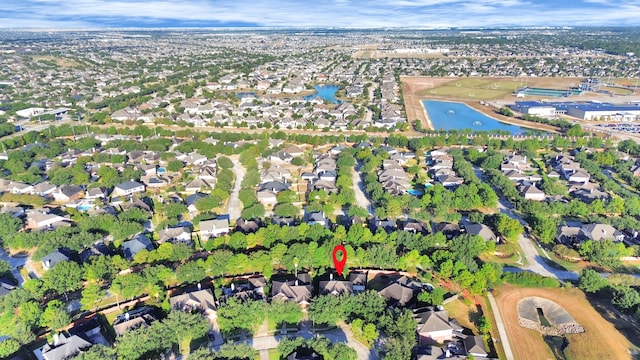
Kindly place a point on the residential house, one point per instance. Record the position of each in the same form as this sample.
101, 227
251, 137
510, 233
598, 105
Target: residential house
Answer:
474, 345
96, 193
293, 151
574, 235
128, 187
267, 197
59, 255
67, 193
180, 234
531, 192
6, 286
435, 326
358, 281
299, 290
134, 319
317, 217
248, 226
44, 189
41, 220
401, 292
416, 227
195, 300
213, 228
247, 288
481, 230
98, 249
192, 199
335, 287
132, 247
76, 340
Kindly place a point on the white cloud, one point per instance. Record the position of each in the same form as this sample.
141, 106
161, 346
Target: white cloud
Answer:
337, 13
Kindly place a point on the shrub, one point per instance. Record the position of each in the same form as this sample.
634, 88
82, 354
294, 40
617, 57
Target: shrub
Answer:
529, 279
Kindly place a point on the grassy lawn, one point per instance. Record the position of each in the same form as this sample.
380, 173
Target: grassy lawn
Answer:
559, 263
506, 254
462, 312
274, 354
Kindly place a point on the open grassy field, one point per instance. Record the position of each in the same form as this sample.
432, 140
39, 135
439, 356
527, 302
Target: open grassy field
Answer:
601, 339
476, 88
60, 61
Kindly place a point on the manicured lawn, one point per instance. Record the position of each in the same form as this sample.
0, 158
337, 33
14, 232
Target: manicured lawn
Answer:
463, 313
274, 354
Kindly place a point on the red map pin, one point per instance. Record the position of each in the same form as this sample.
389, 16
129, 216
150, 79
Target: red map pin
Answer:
339, 264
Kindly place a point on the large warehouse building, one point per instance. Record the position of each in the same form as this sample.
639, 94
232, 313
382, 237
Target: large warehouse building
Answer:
586, 111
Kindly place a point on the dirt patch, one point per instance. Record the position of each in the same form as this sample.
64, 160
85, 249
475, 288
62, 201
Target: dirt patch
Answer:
600, 340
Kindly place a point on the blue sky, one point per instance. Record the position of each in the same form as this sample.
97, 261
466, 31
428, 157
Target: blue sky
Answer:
318, 13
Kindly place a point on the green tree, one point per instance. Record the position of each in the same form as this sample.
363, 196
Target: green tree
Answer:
55, 316
186, 327
625, 297
64, 277
286, 210
284, 311
326, 309
92, 294
224, 162
236, 316
9, 225
591, 281
434, 297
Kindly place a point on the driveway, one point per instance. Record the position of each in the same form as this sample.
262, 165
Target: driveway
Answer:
235, 208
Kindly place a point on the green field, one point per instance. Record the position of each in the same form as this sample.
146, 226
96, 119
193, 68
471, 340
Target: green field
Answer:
476, 88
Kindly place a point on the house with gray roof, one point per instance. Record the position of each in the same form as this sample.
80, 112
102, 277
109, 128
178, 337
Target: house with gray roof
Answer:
132, 247
213, 228
65, 347
401, 292
435, 326
299, 290
128, 187
51, 259
481, 230
180, 234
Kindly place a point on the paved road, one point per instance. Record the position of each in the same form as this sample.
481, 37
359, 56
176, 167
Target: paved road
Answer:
235, 208
16, 263
358, 188
501, 330
535, 262
343, 335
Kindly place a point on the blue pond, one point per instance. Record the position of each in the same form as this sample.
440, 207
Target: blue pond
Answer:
325, 92
84, 207
446, 115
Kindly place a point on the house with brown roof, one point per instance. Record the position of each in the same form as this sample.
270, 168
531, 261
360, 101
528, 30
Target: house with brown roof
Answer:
435, 326
299, 290
195, 300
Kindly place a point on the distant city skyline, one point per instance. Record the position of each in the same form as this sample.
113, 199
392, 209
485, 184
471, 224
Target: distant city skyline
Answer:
300, 13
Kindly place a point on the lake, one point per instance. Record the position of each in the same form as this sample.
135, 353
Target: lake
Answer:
447, 115
325, 92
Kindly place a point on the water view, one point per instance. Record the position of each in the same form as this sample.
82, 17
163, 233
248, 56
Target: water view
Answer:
446, 115
325, 92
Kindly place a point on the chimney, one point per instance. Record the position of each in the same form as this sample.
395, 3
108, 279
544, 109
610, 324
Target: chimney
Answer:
331, 276
56, 339
296, 283
199, 286
233, 286
126, 316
